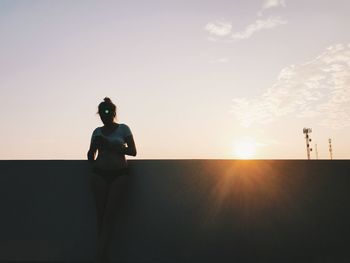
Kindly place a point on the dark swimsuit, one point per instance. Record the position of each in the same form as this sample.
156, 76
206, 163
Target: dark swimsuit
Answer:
110, 176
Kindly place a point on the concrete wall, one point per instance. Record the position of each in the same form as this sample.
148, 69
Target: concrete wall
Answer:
180, 210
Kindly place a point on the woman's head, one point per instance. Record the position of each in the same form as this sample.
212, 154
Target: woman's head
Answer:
107, 111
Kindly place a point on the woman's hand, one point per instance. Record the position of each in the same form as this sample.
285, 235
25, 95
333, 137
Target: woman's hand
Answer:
119, 148
104, 144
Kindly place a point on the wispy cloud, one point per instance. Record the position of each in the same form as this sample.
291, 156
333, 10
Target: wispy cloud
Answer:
220, 60
273, 3
222, 31
258, 25
314, 89
268, 4
218, 28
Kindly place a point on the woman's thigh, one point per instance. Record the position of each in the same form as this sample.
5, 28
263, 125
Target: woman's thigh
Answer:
100, 190
117, 194
98, 183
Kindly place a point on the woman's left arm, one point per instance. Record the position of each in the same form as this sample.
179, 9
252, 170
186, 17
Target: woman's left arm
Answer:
130, 149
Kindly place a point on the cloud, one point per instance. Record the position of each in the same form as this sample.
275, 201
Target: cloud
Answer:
273, 3
268, 4
218, 28
220, 60
319, 88
223, 31
220, 31
258, 25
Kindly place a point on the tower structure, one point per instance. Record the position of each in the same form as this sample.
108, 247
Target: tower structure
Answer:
306, 131
316, 150
330, 148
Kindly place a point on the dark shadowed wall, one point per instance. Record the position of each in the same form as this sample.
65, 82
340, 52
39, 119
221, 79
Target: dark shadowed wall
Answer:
180, 210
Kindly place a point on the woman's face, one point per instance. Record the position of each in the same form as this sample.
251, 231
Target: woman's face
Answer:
107, 115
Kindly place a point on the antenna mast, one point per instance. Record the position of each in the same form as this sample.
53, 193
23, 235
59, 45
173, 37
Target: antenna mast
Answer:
316, 151
330, 148
306, 131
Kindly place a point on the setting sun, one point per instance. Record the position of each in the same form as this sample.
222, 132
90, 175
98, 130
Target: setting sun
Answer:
245, 149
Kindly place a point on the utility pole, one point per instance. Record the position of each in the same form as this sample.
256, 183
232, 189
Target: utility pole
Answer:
330, 148
316, 151
306, 131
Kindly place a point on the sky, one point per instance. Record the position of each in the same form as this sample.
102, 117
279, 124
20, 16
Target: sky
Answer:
192, 79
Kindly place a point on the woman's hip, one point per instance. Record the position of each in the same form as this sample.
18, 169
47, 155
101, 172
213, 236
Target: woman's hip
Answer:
110, 175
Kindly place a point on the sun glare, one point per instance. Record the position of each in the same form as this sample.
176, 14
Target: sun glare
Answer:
245, 149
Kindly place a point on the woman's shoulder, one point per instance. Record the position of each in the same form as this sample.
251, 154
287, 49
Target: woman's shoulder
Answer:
123, 125
125, 128
96, 131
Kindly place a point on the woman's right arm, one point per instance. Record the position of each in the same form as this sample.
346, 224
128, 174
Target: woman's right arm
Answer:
91, 153
92, 150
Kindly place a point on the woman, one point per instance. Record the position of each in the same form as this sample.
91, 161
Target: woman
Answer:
112, 141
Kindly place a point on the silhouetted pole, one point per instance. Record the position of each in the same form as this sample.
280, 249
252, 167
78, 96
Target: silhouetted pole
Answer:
330, 148
316, 151
306, 131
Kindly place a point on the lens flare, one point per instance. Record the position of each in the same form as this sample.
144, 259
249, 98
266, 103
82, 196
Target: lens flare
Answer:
245, 149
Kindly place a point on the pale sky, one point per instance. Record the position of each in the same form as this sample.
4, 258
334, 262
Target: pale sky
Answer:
192, 79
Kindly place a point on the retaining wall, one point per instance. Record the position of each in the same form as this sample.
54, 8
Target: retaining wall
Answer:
180, 211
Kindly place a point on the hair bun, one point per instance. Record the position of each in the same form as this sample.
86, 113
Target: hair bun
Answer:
107, 104
107, 100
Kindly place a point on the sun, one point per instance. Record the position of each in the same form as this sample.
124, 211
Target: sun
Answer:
245, 149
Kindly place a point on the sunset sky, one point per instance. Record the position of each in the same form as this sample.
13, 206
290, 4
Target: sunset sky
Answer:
192, 79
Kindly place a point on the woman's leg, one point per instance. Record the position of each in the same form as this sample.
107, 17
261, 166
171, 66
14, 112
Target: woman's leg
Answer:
113, 202
100, 189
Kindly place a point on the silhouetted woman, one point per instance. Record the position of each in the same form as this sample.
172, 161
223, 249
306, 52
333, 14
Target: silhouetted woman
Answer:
112, 141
